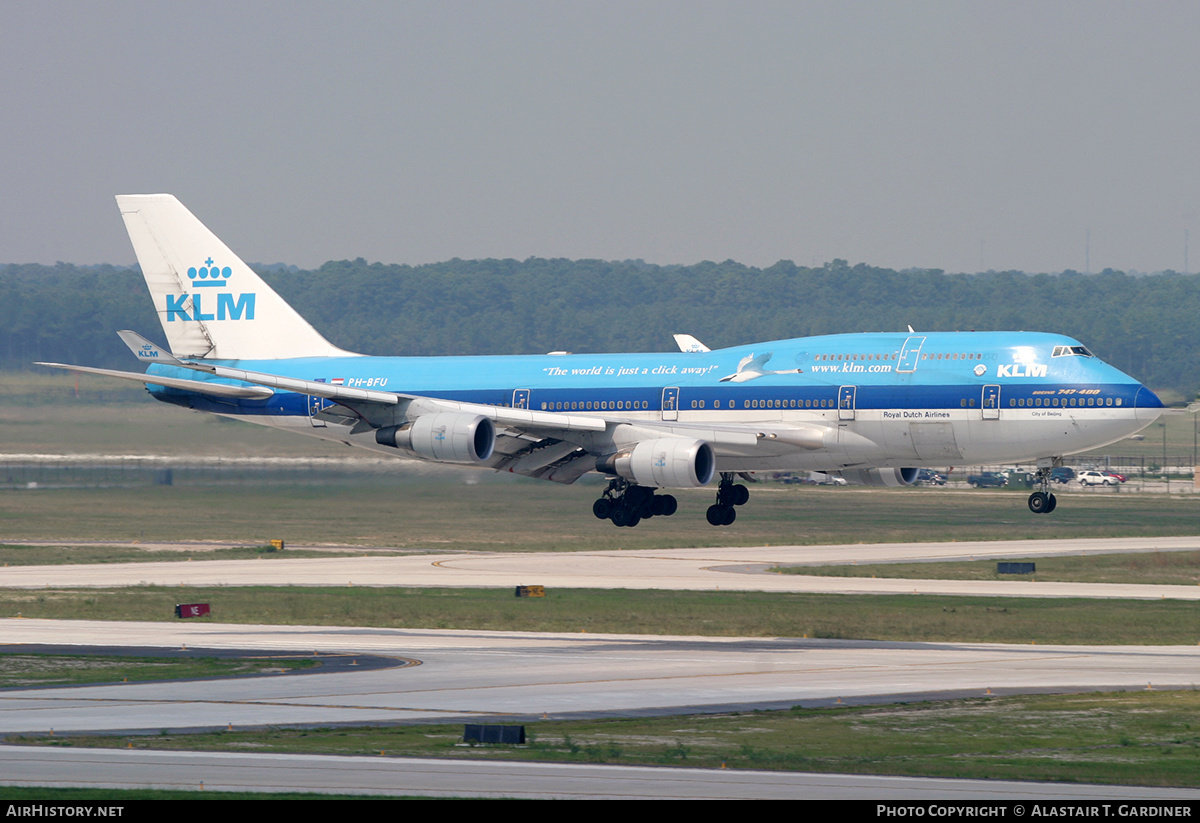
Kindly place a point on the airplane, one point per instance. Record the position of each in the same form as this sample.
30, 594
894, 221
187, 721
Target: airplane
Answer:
870, 408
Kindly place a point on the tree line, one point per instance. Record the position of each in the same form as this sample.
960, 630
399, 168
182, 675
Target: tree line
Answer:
1143, 325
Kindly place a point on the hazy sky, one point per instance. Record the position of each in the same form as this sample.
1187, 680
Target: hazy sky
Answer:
955, 135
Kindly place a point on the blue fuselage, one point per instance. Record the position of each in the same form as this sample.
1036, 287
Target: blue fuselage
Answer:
945, 398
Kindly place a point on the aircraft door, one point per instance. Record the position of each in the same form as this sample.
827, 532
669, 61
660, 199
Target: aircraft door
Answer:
520, 399
846, 402
670, 403
315, 405
910, 353
990, 403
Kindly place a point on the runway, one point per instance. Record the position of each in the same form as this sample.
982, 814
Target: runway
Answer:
485, 676
232, 771
473, 676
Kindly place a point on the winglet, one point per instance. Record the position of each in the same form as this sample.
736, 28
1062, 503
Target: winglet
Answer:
146, 351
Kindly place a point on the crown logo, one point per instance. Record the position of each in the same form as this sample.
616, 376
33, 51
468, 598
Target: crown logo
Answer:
209, 276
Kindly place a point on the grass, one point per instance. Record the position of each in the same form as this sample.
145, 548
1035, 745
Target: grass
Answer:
38, 794
142, 426
717, 614
50, 555
413, 505
1156, 568
437, 514
1137, 738
28, 670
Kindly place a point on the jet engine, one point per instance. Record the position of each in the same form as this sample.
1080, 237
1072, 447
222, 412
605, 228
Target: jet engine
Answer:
669, 463
880, 477
444, 437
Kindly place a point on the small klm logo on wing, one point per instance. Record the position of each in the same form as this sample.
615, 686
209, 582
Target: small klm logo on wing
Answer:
209, 276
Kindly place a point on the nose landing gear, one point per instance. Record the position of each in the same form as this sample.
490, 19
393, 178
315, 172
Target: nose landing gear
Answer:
1042, 501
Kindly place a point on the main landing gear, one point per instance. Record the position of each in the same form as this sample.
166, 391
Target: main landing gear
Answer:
1042, 501
626, 504
729, 494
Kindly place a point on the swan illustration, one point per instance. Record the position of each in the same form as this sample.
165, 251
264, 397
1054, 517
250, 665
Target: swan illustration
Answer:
751, 368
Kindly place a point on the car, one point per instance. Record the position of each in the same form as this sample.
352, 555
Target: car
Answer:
985, 480
1062, 474
928, 477
1092, 478
1120, 478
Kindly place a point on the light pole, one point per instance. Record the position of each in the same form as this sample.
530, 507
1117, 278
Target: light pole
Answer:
1166, 476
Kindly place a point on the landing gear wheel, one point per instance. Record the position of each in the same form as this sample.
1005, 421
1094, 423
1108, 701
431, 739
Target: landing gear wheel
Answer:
1042, 501
627, 504
729, 494
720, 515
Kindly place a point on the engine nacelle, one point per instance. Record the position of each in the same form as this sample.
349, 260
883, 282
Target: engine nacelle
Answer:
669, 463
880, 477
444, 437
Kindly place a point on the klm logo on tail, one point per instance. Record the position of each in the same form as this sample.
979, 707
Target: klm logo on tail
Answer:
229, 306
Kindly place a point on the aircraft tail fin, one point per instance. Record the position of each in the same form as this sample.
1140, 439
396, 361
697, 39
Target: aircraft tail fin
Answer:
211, 304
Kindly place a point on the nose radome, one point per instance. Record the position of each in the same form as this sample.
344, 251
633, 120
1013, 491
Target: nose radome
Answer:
1147, 406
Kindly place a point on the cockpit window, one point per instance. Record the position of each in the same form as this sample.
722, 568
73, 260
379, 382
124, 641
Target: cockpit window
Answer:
1071, 351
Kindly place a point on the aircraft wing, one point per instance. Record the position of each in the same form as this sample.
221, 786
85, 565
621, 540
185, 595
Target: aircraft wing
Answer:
548, 445
361, 399
202, 386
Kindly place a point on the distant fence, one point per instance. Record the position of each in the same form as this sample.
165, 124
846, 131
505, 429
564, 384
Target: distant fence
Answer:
96, 470
1140, 472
